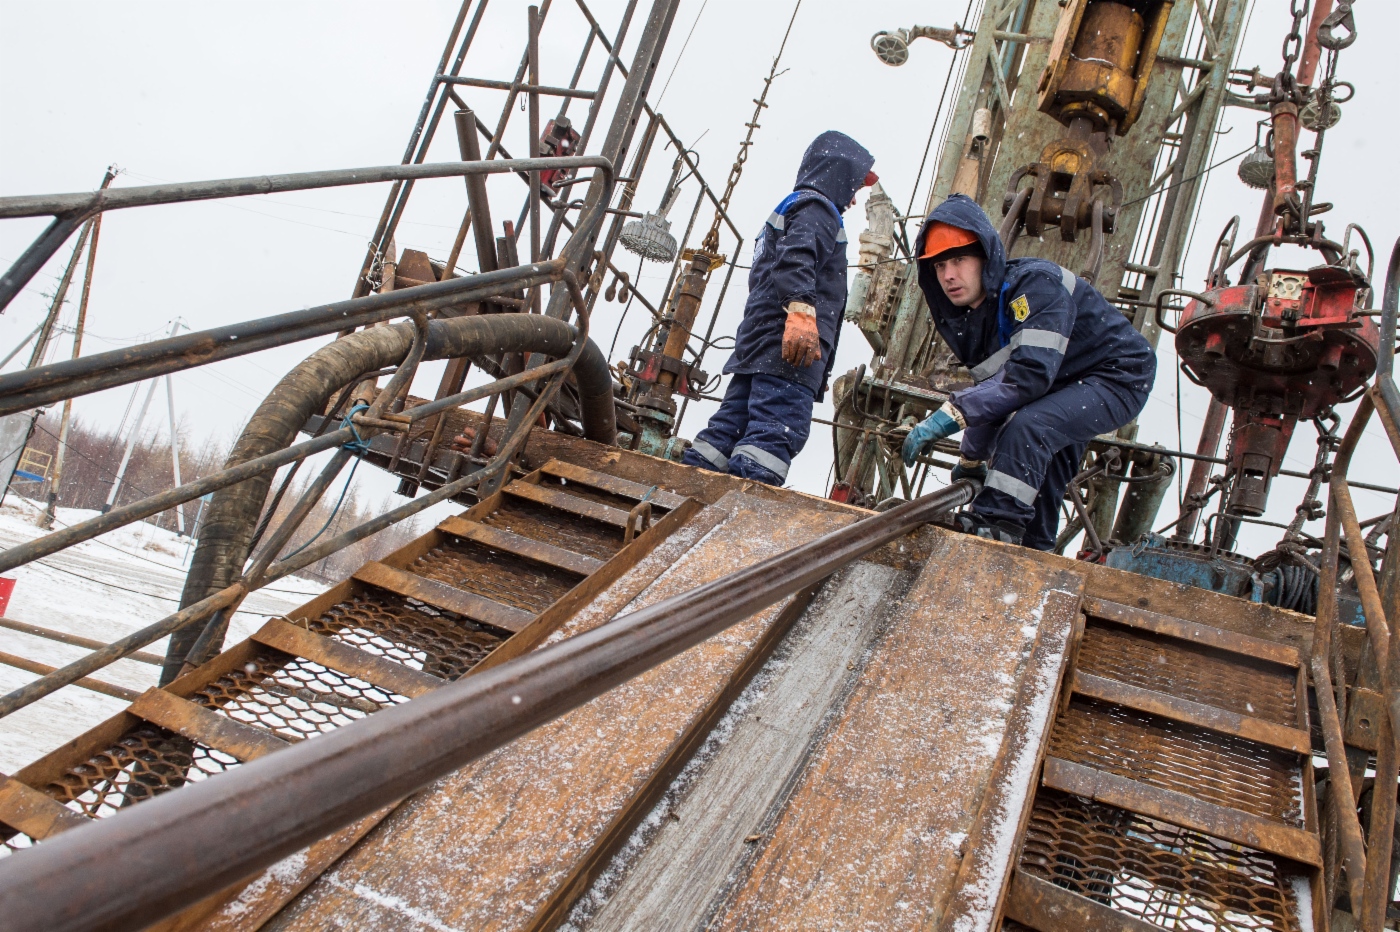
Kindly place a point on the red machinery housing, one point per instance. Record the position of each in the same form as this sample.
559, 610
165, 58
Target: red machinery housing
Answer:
1287, 347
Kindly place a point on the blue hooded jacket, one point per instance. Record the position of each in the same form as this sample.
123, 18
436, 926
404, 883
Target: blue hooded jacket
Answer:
1039, 329
800, 255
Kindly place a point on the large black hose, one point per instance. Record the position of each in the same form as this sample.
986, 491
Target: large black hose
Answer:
227, 531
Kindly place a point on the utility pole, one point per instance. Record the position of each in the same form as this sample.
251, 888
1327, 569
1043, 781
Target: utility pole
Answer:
134, 436
17, 428
46, 519
175, 453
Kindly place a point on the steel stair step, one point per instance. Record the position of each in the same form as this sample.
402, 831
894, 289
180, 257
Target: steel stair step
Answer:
1192, 713
556, 498
1046, 907
442, 596
1181, 629
375, 670
36, 814
200, 723
1186, 811
526, 547
623, 488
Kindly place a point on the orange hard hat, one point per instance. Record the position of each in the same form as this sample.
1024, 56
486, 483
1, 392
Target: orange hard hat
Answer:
943, 237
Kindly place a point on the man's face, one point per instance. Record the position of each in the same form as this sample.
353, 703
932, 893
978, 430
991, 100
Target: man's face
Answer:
961, 278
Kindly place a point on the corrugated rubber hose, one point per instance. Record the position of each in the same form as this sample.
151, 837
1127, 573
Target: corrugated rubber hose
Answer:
226, 534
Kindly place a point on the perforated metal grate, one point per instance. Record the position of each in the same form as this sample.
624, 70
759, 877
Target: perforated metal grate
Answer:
145, 762
502, 577
581, 535
1156, 751
1165, 875
291, 697
409, 633
1177, 669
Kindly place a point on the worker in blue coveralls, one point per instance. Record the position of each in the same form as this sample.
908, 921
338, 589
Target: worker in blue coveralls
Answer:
786, 343
1055, 366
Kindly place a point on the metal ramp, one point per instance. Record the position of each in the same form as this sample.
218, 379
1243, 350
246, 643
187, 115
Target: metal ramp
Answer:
483, 586
953, 733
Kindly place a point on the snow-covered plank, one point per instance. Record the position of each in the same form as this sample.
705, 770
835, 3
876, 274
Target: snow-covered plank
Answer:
697, 840
913, 800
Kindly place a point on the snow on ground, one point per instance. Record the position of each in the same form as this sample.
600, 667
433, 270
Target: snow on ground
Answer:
103, 589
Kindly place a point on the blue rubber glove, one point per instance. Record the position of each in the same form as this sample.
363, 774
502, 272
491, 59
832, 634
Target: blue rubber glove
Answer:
941, 423
969, 469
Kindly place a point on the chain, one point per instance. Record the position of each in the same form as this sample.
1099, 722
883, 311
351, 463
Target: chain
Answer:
711, 241
1293, 42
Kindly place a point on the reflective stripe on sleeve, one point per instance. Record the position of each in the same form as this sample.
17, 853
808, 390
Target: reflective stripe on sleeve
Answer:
1044, 339
711, 455
1011, 486
1068, 279
763, 458
777, 221
990, 366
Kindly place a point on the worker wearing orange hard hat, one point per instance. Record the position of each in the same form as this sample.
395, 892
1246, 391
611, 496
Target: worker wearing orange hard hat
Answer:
1054, 365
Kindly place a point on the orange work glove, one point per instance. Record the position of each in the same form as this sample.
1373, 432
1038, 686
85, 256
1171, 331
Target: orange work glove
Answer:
801, 344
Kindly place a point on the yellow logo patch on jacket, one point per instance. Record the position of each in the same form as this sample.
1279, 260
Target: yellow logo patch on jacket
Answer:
1020, 308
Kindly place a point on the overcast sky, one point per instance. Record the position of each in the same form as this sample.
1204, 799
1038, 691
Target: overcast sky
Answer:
173, 92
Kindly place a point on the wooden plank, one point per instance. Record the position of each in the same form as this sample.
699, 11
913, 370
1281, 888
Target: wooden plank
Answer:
1045, 907
204, 725
682, 871
624, 488
36, 814
1186, 811
442, 596
1193, 713
873, 836
563, 501
1000, 826
521, 546
373, 669
509, 841
1183, 630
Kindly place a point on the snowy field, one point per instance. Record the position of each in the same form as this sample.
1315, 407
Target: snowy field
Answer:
102, 589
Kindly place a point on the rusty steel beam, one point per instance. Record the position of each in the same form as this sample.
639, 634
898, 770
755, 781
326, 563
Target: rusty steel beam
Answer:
71, 210
30, 388
151, 860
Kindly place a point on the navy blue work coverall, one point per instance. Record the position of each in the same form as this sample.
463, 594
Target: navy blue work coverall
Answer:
1055, 365
800, 255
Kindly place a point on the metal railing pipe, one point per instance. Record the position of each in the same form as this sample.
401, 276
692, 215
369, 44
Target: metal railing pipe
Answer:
151, 860
125, 647
89, 202
70, 210
31, 388
155, 504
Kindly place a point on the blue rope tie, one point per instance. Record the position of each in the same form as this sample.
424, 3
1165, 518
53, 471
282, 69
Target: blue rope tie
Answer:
359, 446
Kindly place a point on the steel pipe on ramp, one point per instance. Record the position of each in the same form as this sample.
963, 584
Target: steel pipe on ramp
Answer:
133, 868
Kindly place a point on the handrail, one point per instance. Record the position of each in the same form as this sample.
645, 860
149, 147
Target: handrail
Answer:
1367, 867
31, 388
154, 859
229, 596
72, 210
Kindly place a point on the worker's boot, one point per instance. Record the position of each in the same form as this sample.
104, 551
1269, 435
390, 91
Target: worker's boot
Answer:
970, 522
